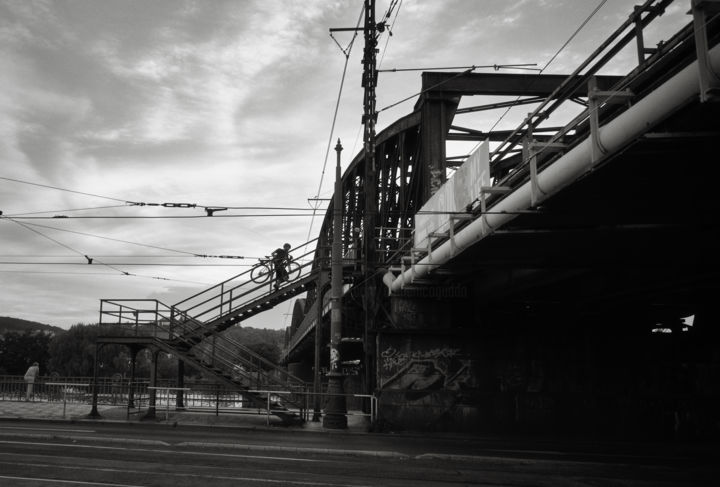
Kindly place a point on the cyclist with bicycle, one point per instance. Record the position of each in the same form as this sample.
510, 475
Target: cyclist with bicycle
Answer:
280, 259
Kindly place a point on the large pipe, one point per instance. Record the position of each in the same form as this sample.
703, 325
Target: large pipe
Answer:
632, 123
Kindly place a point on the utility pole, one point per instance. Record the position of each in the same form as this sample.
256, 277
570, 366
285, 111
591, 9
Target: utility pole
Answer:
369, 82
336, 410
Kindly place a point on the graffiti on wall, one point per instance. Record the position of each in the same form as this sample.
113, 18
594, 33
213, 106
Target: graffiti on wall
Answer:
420, 371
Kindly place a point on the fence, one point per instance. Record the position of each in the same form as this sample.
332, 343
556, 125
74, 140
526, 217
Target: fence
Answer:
196, 395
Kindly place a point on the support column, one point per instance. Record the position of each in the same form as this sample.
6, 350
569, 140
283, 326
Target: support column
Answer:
94, 411
131, 391
433, 133
317, 378
152, 393
180, 398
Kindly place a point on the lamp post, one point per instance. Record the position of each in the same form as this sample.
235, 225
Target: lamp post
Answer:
336, 410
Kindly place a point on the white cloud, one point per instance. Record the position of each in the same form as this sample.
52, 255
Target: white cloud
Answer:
218, 103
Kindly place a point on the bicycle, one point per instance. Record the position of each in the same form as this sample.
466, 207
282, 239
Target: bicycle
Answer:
265, 269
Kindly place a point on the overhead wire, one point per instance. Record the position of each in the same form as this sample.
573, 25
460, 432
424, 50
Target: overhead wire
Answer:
113, 274
552, 59
89, 259
346, 52
142, 203
26, 225
63, 189
133, 264
66, 210
96, 258
390, 29
158, 217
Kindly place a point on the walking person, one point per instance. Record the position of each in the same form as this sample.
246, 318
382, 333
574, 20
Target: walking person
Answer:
32, 373
280, 258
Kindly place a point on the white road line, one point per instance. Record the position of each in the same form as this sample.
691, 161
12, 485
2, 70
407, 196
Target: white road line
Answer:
46, 430
71, 482
184, 475
174, 452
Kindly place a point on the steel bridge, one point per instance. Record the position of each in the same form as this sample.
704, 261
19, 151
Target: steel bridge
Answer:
577, 242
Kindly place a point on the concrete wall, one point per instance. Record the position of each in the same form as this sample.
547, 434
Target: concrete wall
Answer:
605, 377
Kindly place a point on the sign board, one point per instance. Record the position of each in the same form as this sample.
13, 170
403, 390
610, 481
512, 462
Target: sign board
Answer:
461, 190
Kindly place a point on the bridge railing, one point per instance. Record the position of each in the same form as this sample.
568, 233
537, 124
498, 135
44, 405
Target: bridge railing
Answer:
619, 39
536, 155
137, 317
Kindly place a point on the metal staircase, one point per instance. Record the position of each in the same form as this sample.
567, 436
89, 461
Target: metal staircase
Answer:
192, 330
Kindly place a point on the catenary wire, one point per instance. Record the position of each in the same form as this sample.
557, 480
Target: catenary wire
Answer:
557, 53
346, 53
63, 189
89, 259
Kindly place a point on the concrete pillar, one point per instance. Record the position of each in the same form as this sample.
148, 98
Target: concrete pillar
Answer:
152, 393
179, 399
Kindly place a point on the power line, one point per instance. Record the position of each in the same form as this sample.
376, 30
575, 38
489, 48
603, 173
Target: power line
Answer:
136, 264
496, 67
346, 52
208, 208
66, 210
98, 236
469, 70
390, 29
158, 217
64, 189
562, 48
131, 256
111, 274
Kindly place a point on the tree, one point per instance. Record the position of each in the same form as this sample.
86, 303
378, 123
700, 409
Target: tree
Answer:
268, 351
72, 354
19, 350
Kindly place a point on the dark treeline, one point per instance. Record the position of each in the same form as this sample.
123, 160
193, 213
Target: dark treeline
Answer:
71, 353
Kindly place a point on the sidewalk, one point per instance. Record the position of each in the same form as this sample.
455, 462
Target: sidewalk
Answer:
255, 419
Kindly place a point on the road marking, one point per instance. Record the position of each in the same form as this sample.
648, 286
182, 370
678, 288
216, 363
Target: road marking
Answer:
294, 449
184, 475
73, 482
174, 452
45, 430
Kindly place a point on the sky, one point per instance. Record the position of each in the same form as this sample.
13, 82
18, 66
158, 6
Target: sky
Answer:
218, 103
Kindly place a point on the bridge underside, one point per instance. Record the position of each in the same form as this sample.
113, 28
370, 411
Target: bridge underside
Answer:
590, 313
594, 313
638, 234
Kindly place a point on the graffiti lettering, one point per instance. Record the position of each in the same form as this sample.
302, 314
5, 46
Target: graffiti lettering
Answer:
393, 359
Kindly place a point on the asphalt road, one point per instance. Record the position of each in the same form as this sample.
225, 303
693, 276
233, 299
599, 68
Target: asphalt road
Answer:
100, 454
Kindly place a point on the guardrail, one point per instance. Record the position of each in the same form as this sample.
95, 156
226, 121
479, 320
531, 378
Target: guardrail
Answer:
196, 396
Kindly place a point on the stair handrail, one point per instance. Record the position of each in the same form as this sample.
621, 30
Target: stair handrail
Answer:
186, 338
287, 375
220, 291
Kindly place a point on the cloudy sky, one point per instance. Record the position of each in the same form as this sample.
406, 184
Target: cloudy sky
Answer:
217, 103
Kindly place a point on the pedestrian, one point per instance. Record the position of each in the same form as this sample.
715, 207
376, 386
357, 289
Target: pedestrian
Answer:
32, 372
280, 259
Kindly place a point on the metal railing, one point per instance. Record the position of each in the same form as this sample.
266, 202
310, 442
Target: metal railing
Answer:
196, 396
219, 352
68, 389
231, 294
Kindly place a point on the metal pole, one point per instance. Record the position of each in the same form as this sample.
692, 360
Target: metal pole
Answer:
370, 186
317, 384
336, 411
94, 411
179, 399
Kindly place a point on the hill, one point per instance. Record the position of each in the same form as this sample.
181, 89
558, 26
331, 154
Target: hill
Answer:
8, 324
